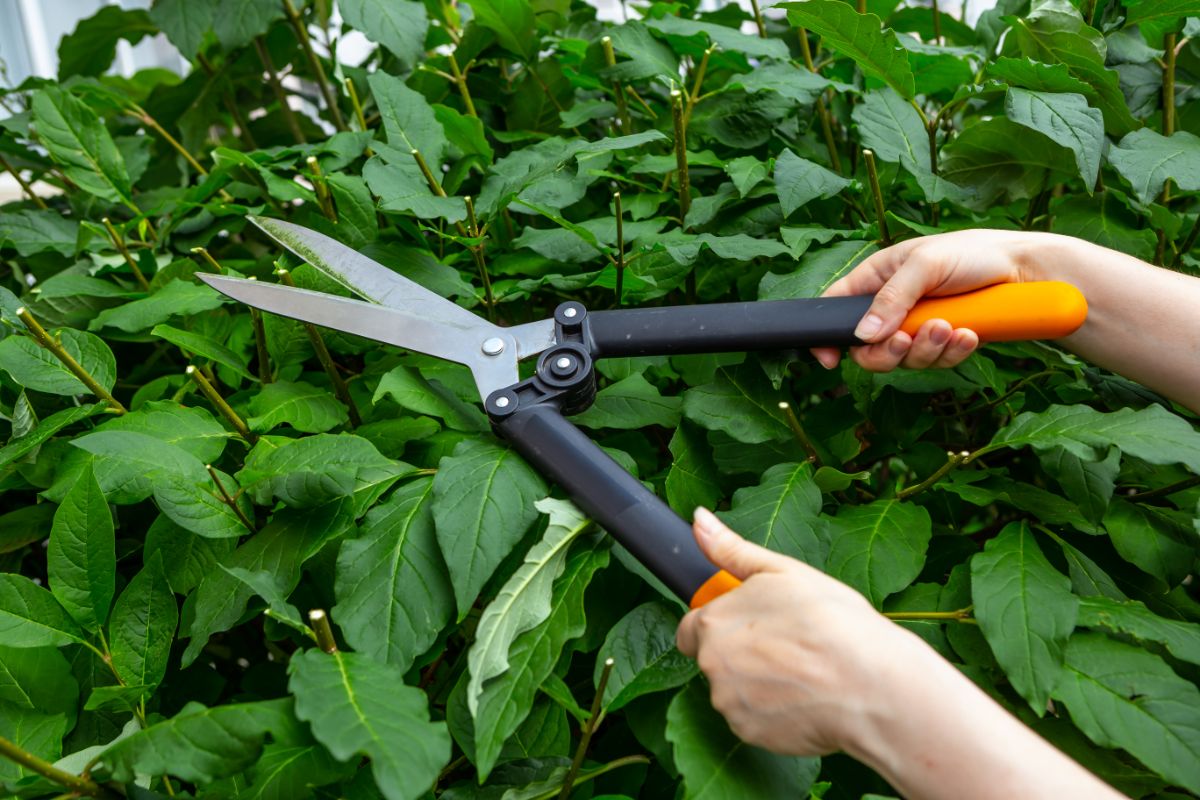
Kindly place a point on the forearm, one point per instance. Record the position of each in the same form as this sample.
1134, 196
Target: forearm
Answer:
1141, 319
945, 738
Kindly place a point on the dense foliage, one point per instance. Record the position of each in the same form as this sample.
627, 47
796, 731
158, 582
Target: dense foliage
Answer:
166, 531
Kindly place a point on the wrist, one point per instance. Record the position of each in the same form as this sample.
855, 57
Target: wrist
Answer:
1051, 257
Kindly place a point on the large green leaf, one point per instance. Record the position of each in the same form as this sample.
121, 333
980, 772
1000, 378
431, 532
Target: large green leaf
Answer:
484, 498
237, 22
301, 405
318, 469
393, 590
143, 627
177, 298
819, 269
783, 513
194, 430
187, 558
204, 347
1129, 617
861, 37
38, 679
727, 38
1088, 484
645, 659
81, 559
692, 480
399, 25
128, 464
513, 23
1147, 160
716, 765
507, 699
1025, 609
92, 46
33, 231
798, 181
739, 402
35, 367
31, 617
891, 127
1122, 696
878, 548
632, 402
412, 391
358, 707
409, 122
1159, 541
184, 22
33, 732
1065, 118
998, 158
79, 142
198, 744
523, 602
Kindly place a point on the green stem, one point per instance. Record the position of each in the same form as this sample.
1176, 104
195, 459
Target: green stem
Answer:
314, 64
610, 59
76, 784
953, 461
229, 501
798, 430
37, 201
324, 199
119, 243
937, 24
260, 344
1163, 491
620, 259
352, 93
209, 261
1168, 112
74, 367
694, 96
962, 615
877, 194
281, 95
214, 397
460, 78
822, 110
758, 18
589, 728
1189, 241
477, 252
683, 184
596, 773
320, 624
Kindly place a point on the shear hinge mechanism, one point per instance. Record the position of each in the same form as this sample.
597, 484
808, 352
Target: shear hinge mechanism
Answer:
565, 376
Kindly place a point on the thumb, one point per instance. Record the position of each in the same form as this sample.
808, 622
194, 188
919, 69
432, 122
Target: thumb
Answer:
892, 303
730, 551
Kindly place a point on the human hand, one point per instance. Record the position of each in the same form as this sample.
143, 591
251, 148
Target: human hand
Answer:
942, 264
793, 656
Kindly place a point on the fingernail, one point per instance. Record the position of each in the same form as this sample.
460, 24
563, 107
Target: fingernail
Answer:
940, 335
706, 521
827, 361
898, 346
868, 327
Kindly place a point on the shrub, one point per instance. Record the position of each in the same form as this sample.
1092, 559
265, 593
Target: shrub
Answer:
161, 641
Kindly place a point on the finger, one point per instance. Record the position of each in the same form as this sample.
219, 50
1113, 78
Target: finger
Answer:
687, 635
874, 271
929, 344
885, 356
827, 357
962, 343
731, 552
893, 301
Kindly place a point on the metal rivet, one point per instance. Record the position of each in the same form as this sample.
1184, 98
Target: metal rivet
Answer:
570, 312
501, 402
493, 346
563, 363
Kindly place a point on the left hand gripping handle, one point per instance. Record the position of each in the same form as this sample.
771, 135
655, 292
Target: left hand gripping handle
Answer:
634, 515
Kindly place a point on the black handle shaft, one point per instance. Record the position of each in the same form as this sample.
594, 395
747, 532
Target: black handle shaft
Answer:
728, 327
631, 513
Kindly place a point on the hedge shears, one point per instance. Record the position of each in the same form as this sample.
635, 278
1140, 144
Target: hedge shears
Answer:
532, 413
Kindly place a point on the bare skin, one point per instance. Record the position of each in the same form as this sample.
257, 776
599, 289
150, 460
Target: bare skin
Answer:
800, 663
793, 656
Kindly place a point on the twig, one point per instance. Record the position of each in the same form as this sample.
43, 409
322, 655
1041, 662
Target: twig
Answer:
696, 83
798, 430
324, 199
1163, 491
681, 177
314, 64
477, 251
229, 501
37, 201
937, 22
822, 111
610, 59
961, 615
320, 624
119, 243
758, 19
584, 777
260, 344
281, 95
589, 728
152, 123
460, 79
873, 176
352, 93
620, 259
215, 398
78, 785
50, 343
953, 461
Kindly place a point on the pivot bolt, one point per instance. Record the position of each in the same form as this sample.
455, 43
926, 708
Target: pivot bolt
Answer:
493, 346
570, 312
501, 402
563, 363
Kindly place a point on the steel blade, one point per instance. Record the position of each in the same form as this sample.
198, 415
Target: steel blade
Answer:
389, 325
365, 277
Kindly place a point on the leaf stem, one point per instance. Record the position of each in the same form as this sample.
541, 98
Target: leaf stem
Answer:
477, 252
953, 461
937, 23
50, 343
1163, 491
260, 344
37, 201
324, 199
620, 259
798, 430
119, 243
758, 19
281, 95
229, 501
320, 624
822, 110
596, 773
208, 260
694, 96
589, 728
610, 59
75, 783
460, 78
223, 407
151, 123
352, 93
961, 615
873, 175
314, 64
322, 352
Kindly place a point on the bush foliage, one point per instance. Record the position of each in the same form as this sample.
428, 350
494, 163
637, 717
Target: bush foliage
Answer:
166, 531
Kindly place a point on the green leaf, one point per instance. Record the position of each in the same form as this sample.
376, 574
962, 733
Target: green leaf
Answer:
507, 699
746, 172
726, 38
878, 548
1065, 118
783, 513
237, 22
78, 141
398, 25
860, 37
1147, 160
204, 347
1160, 14
645, 659
143, 627
358, 221
31, 617
632, 402
301, 405
715, 764
187, 558
358, 707
819, 269
198, 744
410, 390
318, 469
34, 732
184, 22
523, 602
81, 558
798, 181
191, 429
740, 402
92, 46
483, 503
513, 23
692, 480
127, 464
1088, 484
38, 679
393, 590
409, 122
177, 298
1122, 696
1129, 617
1025, 609
998, 158
1038, 77
1159, 541
34, 367
891, 127
22, 446
33, 231
648, 56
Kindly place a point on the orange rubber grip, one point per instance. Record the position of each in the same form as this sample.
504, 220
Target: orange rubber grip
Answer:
1007, 311
720, 583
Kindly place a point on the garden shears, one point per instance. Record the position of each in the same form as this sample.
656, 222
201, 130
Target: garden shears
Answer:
532, 413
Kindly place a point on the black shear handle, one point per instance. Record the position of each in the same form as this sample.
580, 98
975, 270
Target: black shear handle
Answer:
631, 513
